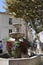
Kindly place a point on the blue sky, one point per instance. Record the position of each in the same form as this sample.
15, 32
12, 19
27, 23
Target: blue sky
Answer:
1, 6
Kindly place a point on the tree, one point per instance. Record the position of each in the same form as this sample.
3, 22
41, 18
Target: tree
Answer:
27, 9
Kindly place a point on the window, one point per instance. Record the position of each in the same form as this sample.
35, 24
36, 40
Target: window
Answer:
10, 21
10, 30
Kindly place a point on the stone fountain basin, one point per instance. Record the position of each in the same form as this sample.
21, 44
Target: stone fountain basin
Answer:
16, 35
35, 60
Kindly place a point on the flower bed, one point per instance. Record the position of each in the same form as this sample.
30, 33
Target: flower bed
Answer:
17, 48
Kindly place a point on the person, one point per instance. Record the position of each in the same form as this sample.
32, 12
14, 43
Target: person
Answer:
1, 47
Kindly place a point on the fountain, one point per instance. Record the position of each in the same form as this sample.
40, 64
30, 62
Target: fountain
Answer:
19, 61
17, 33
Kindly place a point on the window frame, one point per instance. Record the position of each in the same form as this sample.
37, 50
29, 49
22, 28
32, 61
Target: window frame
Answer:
10, 21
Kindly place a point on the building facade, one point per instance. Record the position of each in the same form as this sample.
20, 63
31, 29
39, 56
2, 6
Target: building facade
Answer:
6, 25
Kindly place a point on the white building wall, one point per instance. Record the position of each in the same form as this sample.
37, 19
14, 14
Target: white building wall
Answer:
4, 25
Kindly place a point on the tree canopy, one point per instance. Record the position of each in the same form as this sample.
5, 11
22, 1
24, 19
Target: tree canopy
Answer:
27, 9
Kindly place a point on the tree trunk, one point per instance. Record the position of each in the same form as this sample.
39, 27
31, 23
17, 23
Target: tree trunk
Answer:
26, 30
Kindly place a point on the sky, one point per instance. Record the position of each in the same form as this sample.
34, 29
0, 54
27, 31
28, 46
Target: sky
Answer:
1, 6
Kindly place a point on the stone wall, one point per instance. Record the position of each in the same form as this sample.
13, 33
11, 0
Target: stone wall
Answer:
21, 61
26, 61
